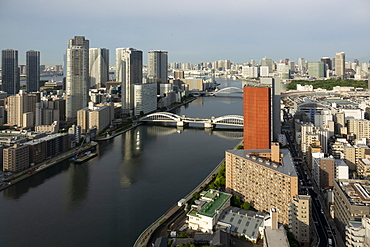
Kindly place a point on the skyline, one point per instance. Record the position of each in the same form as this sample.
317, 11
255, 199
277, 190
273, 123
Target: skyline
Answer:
191, 31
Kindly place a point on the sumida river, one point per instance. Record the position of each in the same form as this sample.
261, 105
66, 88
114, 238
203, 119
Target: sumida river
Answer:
111, 199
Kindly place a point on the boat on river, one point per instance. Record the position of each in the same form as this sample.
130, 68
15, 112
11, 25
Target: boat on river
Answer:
83, 157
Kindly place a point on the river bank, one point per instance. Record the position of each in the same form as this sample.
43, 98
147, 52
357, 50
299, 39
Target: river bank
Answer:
15, 178
145, 237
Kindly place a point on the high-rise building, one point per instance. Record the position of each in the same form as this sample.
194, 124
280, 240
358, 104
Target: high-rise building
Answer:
77, 77
340, 58
316, 69
257, 117
33, 71
158, 66
327, 62
10, 71
267, 62
129, 71
98, 67
301, 65
145, 98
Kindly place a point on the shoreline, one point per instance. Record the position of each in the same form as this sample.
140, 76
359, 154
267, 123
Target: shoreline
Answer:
15, 178
145, 236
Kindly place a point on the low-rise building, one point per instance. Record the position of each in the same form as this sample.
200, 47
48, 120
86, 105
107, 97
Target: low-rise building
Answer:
204, 215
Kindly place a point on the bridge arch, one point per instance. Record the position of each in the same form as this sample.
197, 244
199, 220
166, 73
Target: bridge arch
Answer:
161, 116
229, 90
236, 120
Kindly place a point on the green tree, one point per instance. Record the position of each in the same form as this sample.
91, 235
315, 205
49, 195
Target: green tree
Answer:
245, 205
235, 201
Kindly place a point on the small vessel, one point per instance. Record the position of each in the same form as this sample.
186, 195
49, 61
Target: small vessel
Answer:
83, 157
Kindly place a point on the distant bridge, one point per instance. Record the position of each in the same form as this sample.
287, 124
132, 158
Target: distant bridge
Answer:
228, 120
227, 90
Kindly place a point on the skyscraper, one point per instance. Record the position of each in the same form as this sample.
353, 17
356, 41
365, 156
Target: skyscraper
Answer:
77, 77
98, 67
316, 69
340, 58
33, 71
129, 71
158, 66
257, 117
10, 71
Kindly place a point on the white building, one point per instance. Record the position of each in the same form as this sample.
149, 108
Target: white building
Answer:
98, 67
204, 215
341, 169
145, 99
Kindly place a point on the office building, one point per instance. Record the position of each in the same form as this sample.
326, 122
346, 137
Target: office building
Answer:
16, 158
340, 58
77, 77
145, 98
327, 62
21, 109
257, 117
265, 178
316, 69
301, 65
10, 71
33, 71
267, 62
158, 66
300, 219
98, 67
129, 66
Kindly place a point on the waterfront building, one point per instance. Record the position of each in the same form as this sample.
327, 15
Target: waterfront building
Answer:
145, 98
77, 77
16, 158
98, 67
10, 71
33, 71
158, 66
129, 66
352, 201
207, 210
300, 219
95, 116
340, 58
21, 109
257, 117
264, 177
316, 69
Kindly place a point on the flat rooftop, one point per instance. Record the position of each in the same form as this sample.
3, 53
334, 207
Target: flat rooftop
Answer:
357, 191
218, 199
286, 166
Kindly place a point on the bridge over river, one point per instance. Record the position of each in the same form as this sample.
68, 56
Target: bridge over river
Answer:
168, 117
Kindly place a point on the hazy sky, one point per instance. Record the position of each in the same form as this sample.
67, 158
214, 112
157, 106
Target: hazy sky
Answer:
191, 30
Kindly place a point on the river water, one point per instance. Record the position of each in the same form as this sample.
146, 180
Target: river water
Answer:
111, 199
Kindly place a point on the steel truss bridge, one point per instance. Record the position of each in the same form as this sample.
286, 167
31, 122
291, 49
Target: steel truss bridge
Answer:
228, 120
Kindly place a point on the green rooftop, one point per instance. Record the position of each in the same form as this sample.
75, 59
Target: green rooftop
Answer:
218, 200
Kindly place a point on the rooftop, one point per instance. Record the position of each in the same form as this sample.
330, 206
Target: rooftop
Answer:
287, 166
218, 200
357, 191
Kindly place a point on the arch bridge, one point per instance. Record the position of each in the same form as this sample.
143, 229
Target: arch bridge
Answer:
228, 120
227, 90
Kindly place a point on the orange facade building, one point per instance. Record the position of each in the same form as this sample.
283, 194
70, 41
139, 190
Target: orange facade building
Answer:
257, 118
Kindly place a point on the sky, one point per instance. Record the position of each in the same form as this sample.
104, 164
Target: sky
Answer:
192, 31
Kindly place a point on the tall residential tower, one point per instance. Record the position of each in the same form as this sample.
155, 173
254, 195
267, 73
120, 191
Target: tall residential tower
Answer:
157, 66
129, 71
340, 58
98, 67
33, 71
10, 71
77, 77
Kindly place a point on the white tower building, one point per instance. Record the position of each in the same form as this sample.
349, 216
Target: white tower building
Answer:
98, 67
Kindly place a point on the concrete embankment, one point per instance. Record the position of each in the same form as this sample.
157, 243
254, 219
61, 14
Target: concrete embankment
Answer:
13, 179
143, 239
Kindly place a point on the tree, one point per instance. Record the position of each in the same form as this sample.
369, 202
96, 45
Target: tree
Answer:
235, 201
245, 205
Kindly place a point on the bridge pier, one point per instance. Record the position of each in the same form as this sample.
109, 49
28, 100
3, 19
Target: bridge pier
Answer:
209, 125
182, 124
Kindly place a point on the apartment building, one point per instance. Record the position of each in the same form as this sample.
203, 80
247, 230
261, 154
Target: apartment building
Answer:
266, 178
16, 158
300, 219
